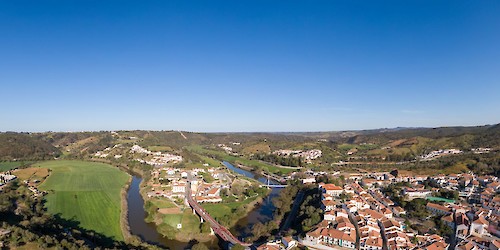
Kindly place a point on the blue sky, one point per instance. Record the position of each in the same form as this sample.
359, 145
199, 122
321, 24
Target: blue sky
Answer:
248, 65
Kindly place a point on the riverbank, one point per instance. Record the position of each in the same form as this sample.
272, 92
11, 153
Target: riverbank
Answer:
124, 224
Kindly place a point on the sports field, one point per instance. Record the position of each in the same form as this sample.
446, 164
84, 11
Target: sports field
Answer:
87, 192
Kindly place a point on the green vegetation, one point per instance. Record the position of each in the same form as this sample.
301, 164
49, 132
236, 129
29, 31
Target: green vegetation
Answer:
8, 165
29, 226
310, 211
256, 164
15, 146
228, 214
283, 203
87, 192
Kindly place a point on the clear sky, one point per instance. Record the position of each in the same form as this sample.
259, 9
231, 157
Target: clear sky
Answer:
248, 65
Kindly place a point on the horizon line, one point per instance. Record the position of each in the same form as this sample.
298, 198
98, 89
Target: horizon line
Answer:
249, 132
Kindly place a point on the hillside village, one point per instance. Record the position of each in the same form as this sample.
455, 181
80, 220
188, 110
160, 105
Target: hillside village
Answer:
368, 218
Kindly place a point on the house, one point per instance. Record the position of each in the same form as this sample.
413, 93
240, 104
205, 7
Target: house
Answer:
314, 236
398, 210
370, 214
462, 223
495, 245
398, 240
370, 238
438, 209
269, 246
438, 245
414, 193
449, 220
371, 244
328, 205
386, 212
309, 180
213, 192
289, 242
479, 227
332, 189
179, 187
184, 174
336, 237
391, 225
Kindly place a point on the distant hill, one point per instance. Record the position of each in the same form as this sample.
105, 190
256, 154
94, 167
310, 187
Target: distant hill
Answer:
378, 145
25, 146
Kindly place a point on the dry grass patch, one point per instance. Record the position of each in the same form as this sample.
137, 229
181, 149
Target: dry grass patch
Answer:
172, 210
33, 173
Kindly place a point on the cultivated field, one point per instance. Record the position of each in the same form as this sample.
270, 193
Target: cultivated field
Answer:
8, 165
86, 192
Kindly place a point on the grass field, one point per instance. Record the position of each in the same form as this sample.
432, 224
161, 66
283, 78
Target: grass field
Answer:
235, 159
87, 192
218, 210
8, 165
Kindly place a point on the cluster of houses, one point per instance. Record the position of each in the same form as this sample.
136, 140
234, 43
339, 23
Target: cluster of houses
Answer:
32, 186
227, 149
379, 222
154, 158
439, 153
6, 177
171, 182
308, 155
336, 229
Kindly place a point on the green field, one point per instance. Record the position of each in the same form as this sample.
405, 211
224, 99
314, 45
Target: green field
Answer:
87, 192
235, 159
219, 210
8, 165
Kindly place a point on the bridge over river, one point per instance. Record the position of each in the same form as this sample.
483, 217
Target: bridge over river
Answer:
220, 230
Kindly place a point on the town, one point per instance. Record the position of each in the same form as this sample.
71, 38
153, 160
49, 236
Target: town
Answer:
372, 211
370, 214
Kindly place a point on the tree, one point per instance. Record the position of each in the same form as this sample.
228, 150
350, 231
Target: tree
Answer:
199, 246
238, 247
205, 227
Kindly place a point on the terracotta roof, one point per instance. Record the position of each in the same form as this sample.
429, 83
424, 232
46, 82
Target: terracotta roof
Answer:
391, 223
438, 207
345, 224
328, 202
315, 233
342, 219
496, 243
331, 187
377, 242
481, 220
439, 245
268, 246
337, 234
213, 190
372, 213
448, 218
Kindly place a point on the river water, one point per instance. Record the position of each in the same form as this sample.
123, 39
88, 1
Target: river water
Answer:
147, 231
263, 212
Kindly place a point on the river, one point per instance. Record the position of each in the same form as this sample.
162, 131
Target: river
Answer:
147, 231
263, 212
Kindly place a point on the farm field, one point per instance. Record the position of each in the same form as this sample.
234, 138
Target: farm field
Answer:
8, 165
87, 192
235, 160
